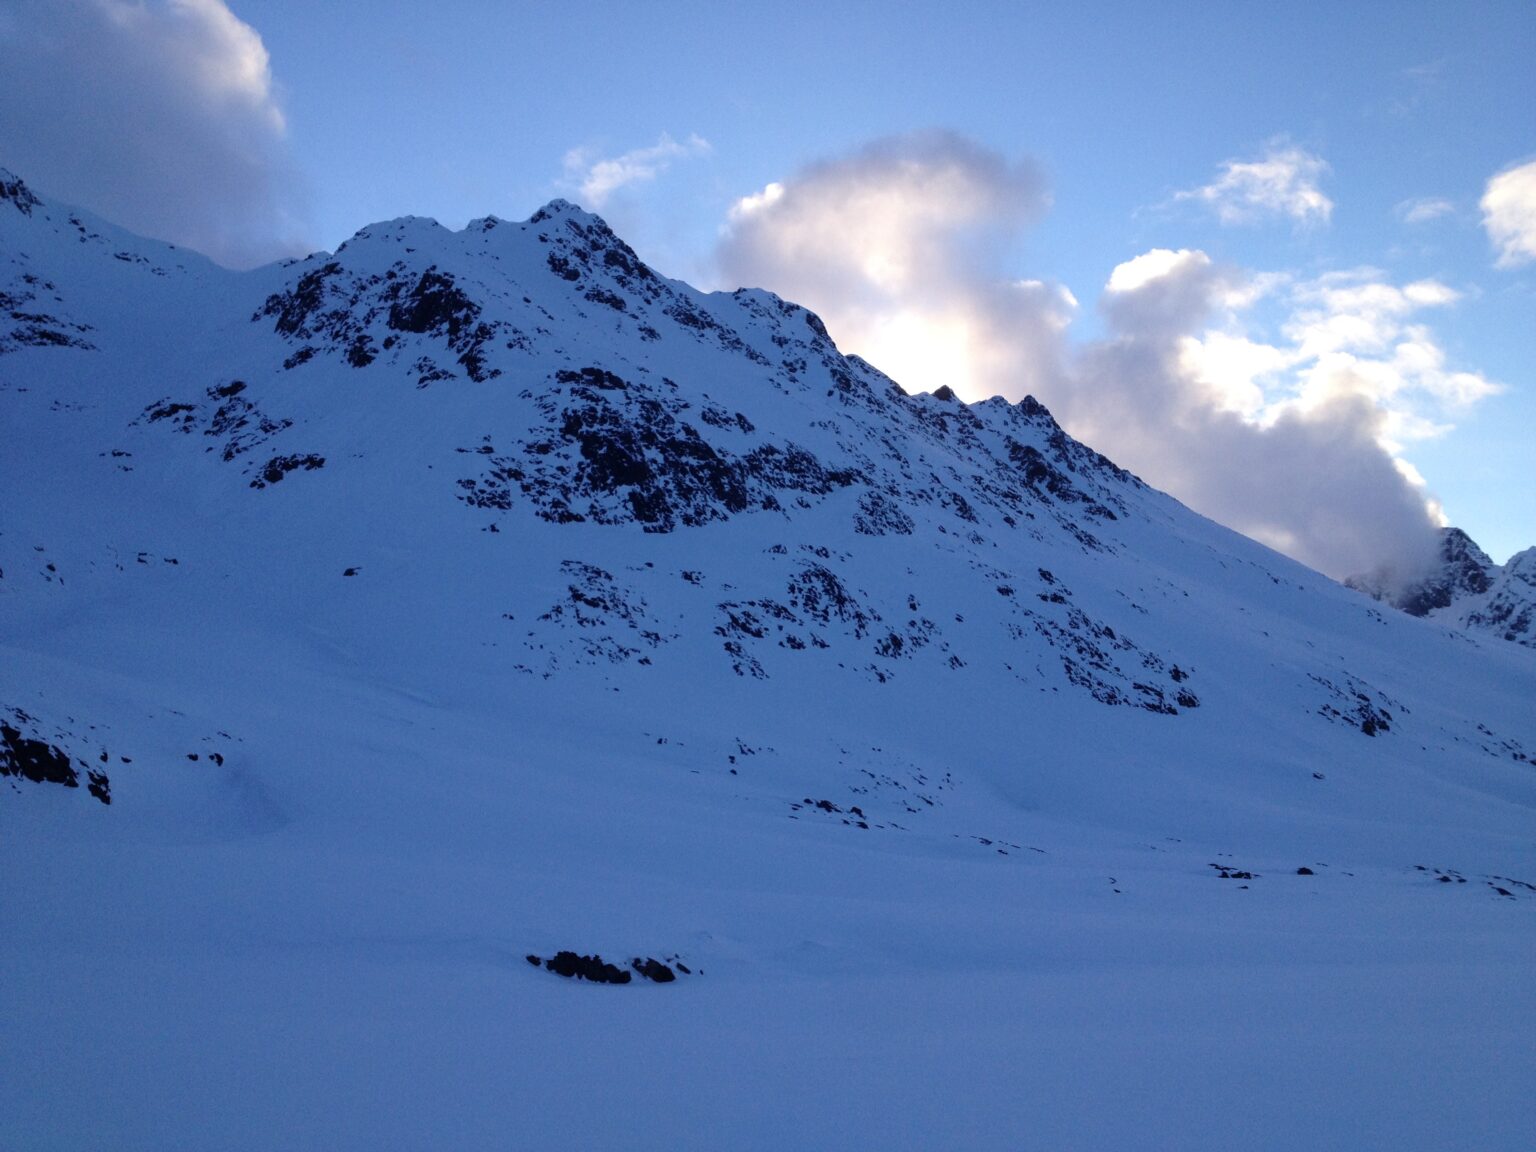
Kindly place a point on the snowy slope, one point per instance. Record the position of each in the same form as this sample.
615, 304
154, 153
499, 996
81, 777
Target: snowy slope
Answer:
458, 597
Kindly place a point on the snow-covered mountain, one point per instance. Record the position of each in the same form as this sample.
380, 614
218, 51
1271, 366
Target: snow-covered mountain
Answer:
398, 616
1468, 589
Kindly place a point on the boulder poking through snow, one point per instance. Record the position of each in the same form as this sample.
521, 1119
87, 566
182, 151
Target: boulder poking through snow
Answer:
598, 971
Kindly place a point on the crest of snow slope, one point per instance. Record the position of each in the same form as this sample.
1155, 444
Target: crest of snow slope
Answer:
463, 595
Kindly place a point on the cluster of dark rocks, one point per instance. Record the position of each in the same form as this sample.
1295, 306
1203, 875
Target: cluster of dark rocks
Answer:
598, 971
36, 760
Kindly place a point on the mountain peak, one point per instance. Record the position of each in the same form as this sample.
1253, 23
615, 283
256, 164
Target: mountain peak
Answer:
560, 208
1466, 586
1461, 569
15, 190
628, 614
1032, 408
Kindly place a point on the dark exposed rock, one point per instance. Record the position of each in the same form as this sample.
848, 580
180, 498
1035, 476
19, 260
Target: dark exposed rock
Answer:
615, 451
1462, 569
234, 418
328, 307
360, 352
880, 515
35, 760
603, 296
653, 970
279, 466
819, 594
298, 310
1227, 872
15, 192
1465, 583
1355, 704
1046, 478
1510, 611
598, 971
166, 410
42, 330
590, 968
603, 620
434, 304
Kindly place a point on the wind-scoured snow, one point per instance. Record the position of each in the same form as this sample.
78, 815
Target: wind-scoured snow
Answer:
457, 598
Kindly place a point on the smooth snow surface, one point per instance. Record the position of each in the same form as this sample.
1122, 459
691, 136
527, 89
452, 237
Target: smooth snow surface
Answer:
920, 733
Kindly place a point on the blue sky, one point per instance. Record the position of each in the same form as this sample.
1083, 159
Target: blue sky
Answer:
1088, 134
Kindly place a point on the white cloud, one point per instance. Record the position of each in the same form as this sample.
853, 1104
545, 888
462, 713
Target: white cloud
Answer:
1509, 214
887, 242
1164, 290
1424, 209
1274, 403
1181, 394
1347, 334
597, 179
1245, 424
1283, 182
1237, 372
757, 202
161, 116
1358, 310
1154, 265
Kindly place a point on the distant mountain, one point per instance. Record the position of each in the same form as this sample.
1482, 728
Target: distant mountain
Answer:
388, 634
1469, 590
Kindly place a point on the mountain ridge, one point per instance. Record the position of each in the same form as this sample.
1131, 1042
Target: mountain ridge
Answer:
413, 611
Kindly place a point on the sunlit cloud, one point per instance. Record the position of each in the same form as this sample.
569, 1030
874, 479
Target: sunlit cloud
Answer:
1281, 183
889, 240
596, 178
1351, 333
1244, 416
1277, 403
1236, 371
1153, 265
1509, 214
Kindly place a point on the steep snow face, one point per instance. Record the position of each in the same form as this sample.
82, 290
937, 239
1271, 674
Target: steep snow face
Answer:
372, 622
62, 270
1469, 590
1509, 607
